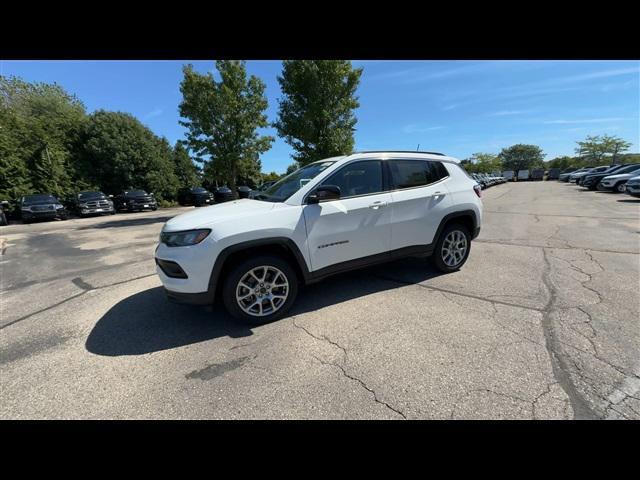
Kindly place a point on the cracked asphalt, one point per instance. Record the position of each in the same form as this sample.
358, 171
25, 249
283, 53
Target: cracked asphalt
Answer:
541, 323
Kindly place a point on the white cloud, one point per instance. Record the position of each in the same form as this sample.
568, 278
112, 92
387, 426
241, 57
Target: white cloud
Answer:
587, 120
153, 113
414, 128
503, 113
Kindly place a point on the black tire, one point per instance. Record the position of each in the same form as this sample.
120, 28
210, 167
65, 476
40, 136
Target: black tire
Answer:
232, 279
437, 257
616, 189
3, 219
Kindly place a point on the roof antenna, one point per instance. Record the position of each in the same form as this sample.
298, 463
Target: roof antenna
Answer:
418, 148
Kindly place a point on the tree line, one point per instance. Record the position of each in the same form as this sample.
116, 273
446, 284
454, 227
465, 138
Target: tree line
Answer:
594, 150
49, 143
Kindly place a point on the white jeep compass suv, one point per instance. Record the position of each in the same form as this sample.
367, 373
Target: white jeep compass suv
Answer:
327, 217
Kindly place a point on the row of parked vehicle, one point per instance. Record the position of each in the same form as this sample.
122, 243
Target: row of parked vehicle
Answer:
487, 180
615, 178
46, 206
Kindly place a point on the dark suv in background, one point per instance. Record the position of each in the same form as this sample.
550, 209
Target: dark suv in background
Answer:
135, 200
592, 180
41, 207
90, 203
197, 196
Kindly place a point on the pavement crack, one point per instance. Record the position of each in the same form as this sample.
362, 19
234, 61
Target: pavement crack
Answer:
84, 290
363, 384
326, 339
467, 295
559, 362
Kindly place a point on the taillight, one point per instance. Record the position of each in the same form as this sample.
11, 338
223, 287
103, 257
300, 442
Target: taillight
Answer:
478, 189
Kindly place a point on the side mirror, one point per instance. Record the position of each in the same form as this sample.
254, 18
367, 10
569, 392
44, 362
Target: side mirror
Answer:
324, 193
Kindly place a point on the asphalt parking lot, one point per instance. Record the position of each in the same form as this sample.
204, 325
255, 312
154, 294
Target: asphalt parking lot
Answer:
542, 322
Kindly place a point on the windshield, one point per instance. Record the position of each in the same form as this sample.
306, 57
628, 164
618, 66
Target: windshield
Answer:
136, 193
283, 189
199, 190
90, 195
39, 199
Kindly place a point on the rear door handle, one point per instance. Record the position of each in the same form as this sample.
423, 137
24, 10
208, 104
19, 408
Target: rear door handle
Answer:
438, 194
377, 205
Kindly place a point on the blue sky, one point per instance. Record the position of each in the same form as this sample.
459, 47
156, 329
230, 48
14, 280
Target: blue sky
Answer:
456, 107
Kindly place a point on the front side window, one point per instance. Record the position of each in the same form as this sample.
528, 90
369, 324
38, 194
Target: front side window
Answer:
410, 173
358, 178
283, 189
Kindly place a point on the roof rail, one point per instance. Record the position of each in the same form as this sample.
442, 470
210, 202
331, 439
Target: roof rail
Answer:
401, 151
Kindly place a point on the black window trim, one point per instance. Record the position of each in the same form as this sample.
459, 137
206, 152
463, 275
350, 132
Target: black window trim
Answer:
418, 186
383, 171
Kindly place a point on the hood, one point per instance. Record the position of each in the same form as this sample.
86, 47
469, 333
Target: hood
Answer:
206, 216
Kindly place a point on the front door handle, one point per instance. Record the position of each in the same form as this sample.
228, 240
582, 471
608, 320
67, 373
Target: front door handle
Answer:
377, 205
438, 194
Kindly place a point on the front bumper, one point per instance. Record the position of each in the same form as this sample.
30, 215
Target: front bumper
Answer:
96, 210
45, 215
197, 263
633, 189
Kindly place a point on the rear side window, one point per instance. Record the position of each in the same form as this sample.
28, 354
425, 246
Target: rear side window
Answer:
412, 173
440, 170
358, 178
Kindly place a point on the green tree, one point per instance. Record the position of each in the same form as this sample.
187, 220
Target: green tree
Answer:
561, 162
40, 125
185, 170
316, 113
222, 119
595, 148
483, 163
119, 153
521, 157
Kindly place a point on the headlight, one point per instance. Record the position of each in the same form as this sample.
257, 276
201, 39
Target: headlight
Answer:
185, 238
83, 205
58, 206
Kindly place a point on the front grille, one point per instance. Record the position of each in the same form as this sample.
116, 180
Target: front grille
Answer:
98, 204
143, 200
42, 208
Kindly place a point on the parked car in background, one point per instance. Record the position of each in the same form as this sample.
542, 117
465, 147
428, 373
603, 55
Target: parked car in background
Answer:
617, 181
481, 180
553, 174
196, 196
508, 175
633, 186
564, 175
42, 206
537, 174
135, 201
576, 176
4, 205
91, 202
592, 181
523, 175
223, 194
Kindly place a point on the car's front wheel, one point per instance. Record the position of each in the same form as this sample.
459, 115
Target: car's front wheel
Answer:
260, 290
620, 187
452, 248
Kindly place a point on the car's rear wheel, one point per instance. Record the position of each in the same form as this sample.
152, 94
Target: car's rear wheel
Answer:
260, 290
452, 248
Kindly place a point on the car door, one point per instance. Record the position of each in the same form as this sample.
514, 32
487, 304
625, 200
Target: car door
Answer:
357, 225
420, 200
